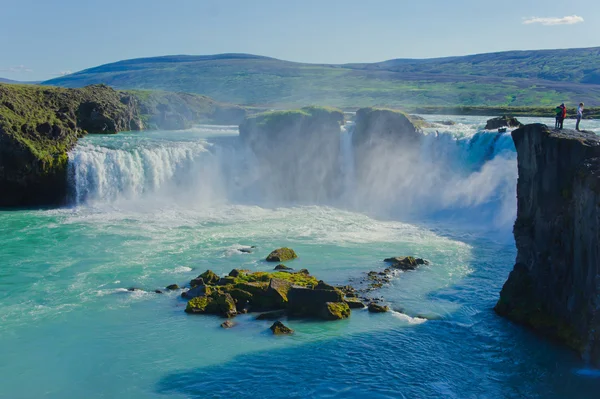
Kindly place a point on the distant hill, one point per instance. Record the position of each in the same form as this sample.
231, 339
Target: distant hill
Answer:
3, 80
514, 78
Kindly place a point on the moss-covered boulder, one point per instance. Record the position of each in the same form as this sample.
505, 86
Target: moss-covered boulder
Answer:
282, 267
208, 277
196, 291
172, 287
217, 303
281, 255
335, 311
287, 143
376, 308
354, 303
279, 328
308, 302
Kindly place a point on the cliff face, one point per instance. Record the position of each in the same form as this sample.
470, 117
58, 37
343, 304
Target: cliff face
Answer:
555, 285
39, 125
298, 152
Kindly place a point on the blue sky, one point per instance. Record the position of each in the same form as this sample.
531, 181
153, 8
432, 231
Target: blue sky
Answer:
42, 39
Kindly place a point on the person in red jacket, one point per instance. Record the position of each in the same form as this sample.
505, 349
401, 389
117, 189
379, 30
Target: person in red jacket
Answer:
563, 115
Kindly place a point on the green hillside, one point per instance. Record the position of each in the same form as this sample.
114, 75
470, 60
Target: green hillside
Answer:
531, 78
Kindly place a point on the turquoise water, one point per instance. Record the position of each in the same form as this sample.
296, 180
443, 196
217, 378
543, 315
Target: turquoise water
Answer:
157, 208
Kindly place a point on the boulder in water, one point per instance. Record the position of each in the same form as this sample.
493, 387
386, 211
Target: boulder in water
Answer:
375, 308
208, 277
216, 303
502, 121
238, 272
354, 303
335, 311
406, 262
282, 255
282, 267
279, 328
227, 324
172, 287
307, 302
198, 290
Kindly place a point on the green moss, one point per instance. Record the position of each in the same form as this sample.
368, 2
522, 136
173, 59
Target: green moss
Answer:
336, 311
282, 255
197, 305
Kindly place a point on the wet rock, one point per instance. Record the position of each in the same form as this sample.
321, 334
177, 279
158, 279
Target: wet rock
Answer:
158, 292
238, 272
227, 324
197, 281
172, 287
274, 315
278, 289
502, 121
226, 280
208, 277
335, 311
375, 308
406, 263
324, 286
279, 328
282, 267
245, 250
354, 303
306, 302
199, 290
281, 255
216, 303
303, 271
131, 289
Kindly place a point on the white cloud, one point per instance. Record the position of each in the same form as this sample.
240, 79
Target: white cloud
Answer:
568, 20
16, 69
63, 73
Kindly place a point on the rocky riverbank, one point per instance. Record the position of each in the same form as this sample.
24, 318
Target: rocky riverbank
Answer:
39, 125
554, 285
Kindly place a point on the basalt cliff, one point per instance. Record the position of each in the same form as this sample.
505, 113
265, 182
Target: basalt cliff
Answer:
39, 125
555, 285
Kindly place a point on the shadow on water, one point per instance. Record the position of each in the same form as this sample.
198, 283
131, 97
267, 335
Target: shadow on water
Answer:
471, 353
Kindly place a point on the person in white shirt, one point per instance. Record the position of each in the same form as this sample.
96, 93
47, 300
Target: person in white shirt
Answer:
579, 115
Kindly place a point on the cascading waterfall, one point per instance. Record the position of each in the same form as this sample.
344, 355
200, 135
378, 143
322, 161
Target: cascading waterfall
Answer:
459, 171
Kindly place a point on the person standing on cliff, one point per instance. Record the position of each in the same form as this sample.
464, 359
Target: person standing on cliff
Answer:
579, 116
560, 110
563, 116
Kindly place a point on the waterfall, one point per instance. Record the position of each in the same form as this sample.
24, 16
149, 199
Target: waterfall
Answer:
347, 158
458, 171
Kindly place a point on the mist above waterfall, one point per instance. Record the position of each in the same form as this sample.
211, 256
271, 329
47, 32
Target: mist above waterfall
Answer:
456, 173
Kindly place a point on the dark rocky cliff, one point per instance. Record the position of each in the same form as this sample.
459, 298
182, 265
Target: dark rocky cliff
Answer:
39, 125
555, 285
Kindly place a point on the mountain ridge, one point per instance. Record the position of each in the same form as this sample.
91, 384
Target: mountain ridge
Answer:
530, 77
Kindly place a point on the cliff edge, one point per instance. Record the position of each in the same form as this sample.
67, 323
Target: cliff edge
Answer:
555, 285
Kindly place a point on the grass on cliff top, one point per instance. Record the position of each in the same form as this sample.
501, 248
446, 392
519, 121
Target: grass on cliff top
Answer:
289, 117
24, 107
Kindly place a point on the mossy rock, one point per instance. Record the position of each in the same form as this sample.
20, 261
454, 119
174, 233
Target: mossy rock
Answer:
226, 280
279, 328
375, 308
238, 272
217, 303
282, 255
354, 303
172, 287
278, 290
273, 315
282, 267
209, 277
335, 311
